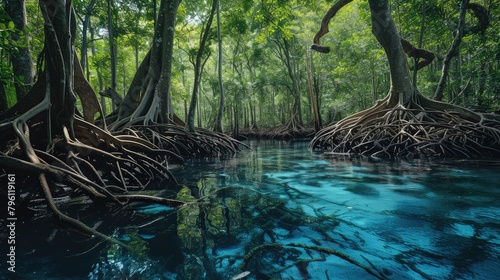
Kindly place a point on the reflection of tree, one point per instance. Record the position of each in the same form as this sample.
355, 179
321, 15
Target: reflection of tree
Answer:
231, 217
205, 226
124, 264
259, 217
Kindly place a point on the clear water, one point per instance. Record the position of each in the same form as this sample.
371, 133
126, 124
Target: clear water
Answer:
284, 212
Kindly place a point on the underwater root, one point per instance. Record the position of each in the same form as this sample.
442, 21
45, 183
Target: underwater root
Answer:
419, 129
327, 251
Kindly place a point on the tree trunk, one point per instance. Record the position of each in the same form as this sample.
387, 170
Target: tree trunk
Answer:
22, 63
483, 22
481, 82
98, 71
112, 50
420, 41
405, 123
198, 69
317, 125
85, 26
148, 97
3, 98
374, 85
236, 128
198, 113
220, 112
60, 27
384, 29
293, 73
154, 4
316, 87
166, 113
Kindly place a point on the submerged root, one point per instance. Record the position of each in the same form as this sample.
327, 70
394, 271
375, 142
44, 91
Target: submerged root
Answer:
421, 128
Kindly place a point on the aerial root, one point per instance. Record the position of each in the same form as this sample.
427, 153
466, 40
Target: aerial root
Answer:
104, 167
109, 167
200, 144
289, 130
412, 131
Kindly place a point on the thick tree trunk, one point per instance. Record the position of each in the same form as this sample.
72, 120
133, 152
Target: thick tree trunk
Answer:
385, 31
163, 88
131, 100
60, 30
405, 123
148, 97
22, 63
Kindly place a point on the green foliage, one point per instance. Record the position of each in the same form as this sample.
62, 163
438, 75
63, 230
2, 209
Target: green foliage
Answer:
255, 76
138, 248
9, 48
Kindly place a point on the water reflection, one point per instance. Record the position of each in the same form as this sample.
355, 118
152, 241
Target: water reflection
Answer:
397, 220
283, 212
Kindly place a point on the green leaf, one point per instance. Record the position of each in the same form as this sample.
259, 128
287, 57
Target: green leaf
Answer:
11, 25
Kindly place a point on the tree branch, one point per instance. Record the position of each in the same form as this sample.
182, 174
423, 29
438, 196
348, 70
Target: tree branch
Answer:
324, 25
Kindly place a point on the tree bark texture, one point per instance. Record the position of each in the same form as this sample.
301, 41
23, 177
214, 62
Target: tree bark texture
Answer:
60, 28
149, 93
385, 31
163, 88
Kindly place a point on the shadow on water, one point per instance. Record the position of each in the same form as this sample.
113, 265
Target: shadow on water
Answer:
283, 212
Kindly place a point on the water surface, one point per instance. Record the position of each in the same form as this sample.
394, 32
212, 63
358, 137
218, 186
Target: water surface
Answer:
281, 211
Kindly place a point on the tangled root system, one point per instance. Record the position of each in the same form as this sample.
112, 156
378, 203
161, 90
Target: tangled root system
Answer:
421, 128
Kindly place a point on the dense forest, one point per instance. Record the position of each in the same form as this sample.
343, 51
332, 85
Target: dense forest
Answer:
107, 96
264, 54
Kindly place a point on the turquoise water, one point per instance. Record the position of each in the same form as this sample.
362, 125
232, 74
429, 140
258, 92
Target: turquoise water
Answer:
281, 211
